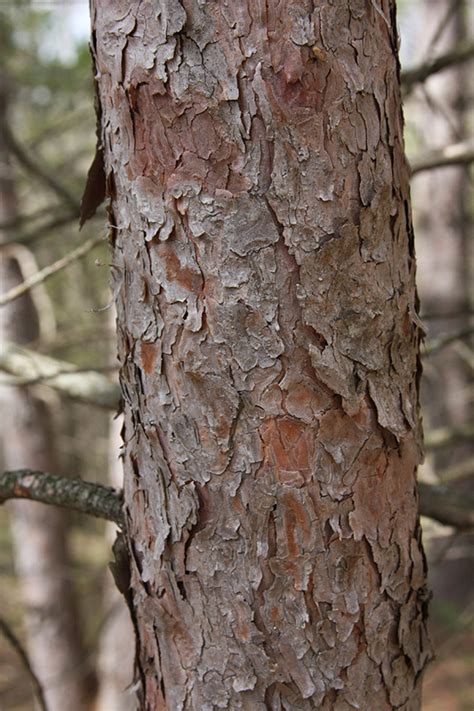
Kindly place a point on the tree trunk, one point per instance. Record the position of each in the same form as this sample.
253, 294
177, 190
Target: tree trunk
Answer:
264, 270
39, 532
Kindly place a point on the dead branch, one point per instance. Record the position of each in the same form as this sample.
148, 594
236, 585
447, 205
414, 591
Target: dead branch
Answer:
438, 343
27, 237
21, 219
443, 315
418, 74
48, 271
462, 469
446, 506
74, 494
456, 154
16, 645
90, 386
444, 436
38, 171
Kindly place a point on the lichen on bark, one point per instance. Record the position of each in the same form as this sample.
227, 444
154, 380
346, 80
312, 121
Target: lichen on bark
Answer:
268, 339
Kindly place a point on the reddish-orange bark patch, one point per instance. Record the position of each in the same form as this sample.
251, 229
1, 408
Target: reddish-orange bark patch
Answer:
237, 505
287, 446
293, 569
290, 525
189, 279
299, 513
296, 525
148, 354
275, 614
242, 631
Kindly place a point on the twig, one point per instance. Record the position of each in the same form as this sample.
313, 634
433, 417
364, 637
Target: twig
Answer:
444, 436
48, 271
446, 506
458, 471
448, 544
64, 123
44, 379
90, 387
24, 159
456, 154
420, 73
443, 25
440, 315
437, 344
44, 229
83, 496
465, 353
20, 219
15, 643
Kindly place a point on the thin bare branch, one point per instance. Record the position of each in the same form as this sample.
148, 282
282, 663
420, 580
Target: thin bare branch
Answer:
444, 436
438, 343
441, 315
443, 25
48, 271
74, 494
15, 644
44, 379
446, 506
35, 169
460, 470
419, 74
27, 237
21, 219
90, 387
63, 123
456, 154
465, 353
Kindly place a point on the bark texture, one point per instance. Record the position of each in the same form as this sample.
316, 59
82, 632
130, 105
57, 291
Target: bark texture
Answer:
264, 271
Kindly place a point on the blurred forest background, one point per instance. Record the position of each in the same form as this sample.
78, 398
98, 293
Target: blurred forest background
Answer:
58, 389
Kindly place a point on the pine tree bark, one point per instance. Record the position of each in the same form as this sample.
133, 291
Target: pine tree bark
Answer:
268, 336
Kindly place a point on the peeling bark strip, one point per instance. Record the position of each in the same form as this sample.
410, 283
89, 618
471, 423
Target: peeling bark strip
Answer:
268, 338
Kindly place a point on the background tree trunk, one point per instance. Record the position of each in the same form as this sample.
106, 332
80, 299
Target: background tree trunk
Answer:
268, 338
442, 224
39, 532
